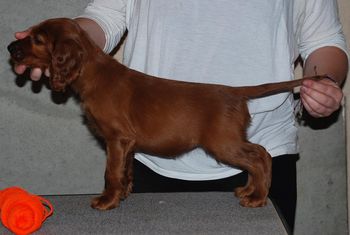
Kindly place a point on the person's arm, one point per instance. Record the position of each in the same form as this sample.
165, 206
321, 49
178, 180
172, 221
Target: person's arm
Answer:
323, 48
94, 31
322, 98
105, 22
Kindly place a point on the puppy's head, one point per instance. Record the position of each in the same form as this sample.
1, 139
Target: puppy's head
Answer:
56, 44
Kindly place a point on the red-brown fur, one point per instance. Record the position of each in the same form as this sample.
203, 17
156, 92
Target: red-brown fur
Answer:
135, 112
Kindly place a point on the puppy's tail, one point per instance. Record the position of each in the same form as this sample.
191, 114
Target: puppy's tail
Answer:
267, 89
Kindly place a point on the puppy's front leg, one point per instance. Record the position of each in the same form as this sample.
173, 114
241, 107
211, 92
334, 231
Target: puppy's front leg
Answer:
114, 191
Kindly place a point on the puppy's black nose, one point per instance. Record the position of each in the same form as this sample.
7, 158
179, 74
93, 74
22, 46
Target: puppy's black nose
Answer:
15, 50
13, 47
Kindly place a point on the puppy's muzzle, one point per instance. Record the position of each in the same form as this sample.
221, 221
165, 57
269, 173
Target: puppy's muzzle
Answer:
16, 50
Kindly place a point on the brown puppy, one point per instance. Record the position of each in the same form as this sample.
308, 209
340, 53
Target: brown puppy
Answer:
135, 112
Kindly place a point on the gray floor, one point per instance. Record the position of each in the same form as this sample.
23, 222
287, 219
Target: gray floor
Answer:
161, 213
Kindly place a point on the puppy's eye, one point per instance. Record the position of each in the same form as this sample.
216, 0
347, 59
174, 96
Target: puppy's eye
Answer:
38, 39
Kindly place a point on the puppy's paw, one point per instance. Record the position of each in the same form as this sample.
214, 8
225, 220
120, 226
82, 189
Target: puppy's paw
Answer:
104, 202
245, 191
253, 202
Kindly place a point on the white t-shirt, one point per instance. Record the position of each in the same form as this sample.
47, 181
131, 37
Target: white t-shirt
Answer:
224, 42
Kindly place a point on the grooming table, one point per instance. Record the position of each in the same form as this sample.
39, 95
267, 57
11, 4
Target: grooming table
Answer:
160, 213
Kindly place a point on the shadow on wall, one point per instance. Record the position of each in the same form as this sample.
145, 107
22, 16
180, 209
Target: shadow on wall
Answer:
37, 86
306, 120
56, 97
320, 123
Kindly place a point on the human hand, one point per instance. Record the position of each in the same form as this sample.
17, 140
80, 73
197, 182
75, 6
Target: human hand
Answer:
321, 98
35, 73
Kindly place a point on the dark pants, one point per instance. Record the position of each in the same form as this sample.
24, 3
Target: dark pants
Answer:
282, 192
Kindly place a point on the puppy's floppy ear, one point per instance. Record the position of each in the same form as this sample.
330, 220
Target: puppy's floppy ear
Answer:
66, 63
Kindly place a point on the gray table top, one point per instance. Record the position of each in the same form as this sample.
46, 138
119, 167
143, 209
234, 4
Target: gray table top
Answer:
161, 213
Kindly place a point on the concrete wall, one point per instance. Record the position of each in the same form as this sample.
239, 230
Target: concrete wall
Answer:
322, 199
46, 148
344, 9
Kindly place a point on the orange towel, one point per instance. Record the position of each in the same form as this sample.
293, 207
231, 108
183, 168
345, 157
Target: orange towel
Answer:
22, 212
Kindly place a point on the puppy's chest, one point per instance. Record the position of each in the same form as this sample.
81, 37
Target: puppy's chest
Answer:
91, 120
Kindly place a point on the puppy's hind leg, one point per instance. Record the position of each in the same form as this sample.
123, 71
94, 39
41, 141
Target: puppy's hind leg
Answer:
255, 193
256, 161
